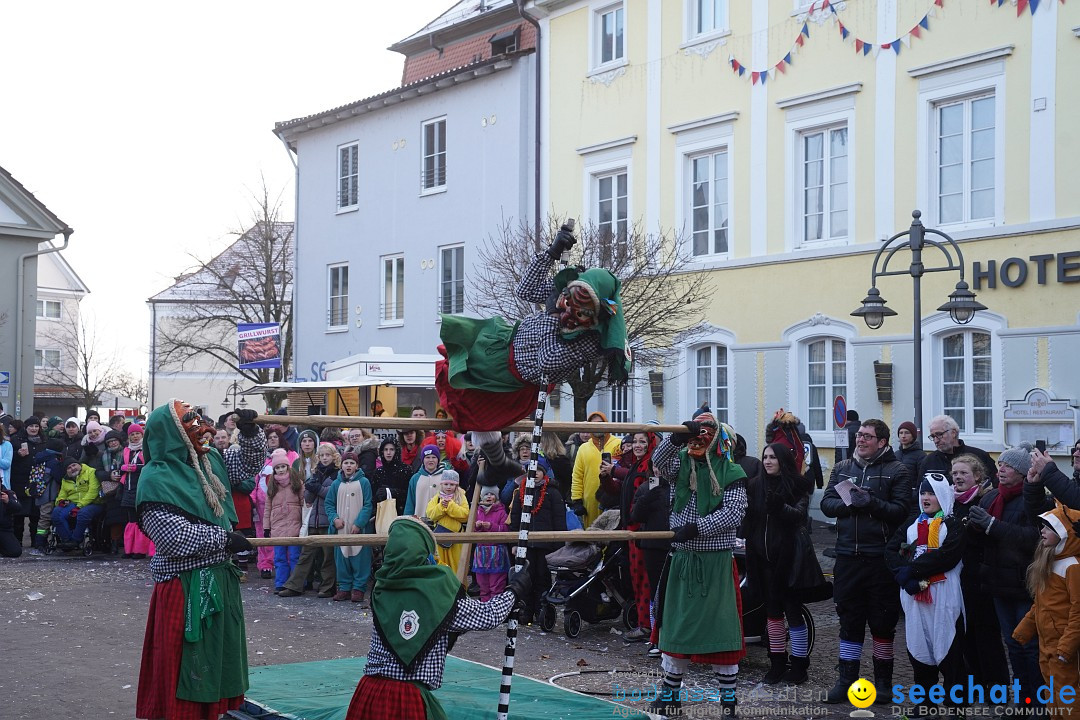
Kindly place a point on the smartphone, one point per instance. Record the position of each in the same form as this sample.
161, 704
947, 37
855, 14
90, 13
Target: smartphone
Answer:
605, 457
654, 482
1040, 445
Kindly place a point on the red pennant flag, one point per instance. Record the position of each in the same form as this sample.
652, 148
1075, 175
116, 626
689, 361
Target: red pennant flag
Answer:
915, 32
886, 46
825, 5
780, 66
1021, 5
799, 40
858, 45
754, 77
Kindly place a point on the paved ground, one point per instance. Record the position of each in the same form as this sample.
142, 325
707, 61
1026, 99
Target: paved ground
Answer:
72, 630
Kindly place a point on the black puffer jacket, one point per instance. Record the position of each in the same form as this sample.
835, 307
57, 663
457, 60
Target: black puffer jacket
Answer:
773, 514
20, 464
1009, 546
866, 530
393, 476
1061, 486
973, 551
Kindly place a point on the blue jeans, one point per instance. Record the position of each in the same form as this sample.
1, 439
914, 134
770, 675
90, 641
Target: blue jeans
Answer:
285, 559
83, 519
1023, 658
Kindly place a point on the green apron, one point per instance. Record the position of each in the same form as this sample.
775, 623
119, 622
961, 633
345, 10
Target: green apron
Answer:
433, 709
700, 615
214, 660
479, 353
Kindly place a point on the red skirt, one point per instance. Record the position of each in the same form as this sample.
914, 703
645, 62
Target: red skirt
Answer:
162, 649
728, 657
380, 698
472, 409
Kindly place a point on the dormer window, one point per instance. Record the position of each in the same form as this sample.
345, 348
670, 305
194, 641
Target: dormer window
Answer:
505, 42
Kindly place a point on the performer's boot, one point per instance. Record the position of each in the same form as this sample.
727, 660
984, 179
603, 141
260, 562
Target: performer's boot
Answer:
849, 673
779, 667
498, 467
797, 674
883, 670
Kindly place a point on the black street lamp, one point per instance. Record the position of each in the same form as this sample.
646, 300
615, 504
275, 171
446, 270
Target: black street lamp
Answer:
961, 306
234, 389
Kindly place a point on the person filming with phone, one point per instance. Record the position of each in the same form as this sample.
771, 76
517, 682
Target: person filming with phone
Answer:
10, 547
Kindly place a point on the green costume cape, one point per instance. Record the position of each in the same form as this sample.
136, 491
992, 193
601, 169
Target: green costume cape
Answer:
413, 599
718, 457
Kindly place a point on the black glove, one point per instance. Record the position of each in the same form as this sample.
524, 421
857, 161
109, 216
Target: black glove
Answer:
578, 507
245, 422
266, 533
686, 532
237, 543
1076, 527
693, 428
563, 241
860, 497
913, 587
978, 517
902, 575
518, 581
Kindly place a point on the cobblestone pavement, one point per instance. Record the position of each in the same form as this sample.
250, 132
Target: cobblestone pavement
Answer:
73, 630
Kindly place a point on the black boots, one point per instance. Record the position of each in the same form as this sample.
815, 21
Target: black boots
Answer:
883, 681
498, 467
849, 673
778, 669
797, 674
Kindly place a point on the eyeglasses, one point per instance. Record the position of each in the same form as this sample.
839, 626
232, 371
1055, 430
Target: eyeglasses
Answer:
865, 436
939, 435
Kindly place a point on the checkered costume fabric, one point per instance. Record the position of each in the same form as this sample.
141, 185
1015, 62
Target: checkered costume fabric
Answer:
539, 351
469, 614
717, 530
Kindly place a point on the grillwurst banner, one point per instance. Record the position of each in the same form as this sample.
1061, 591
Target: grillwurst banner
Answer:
258, 345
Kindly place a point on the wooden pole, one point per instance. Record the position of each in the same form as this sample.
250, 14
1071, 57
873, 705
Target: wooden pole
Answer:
470, 527
548, 536
396, 423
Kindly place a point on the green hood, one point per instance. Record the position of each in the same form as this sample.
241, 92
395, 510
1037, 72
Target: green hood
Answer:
171, 476
606, 288
413, 599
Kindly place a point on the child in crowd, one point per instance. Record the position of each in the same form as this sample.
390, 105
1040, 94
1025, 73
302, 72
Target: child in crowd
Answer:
548, 513
349, 509
284, 513
305, 462
448, 512
490, 562
136, 543
926, 559
316, 488
1053, 579
425, 483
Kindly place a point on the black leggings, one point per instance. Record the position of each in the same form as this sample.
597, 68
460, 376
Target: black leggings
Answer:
778, 598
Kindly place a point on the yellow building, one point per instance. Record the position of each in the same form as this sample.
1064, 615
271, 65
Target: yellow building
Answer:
783, 141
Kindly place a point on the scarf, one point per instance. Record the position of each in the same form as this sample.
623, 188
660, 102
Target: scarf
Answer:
1005, 493
964, 497
928, 533
413, 599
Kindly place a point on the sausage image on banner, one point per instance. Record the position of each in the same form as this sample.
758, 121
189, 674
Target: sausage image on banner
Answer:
257, 349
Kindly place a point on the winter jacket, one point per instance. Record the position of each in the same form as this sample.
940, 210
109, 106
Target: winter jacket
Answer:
132, 463
367, 512
1061, 486
550, 515
83, 490
55, 469
865, 531
1055, 614
452, 517
20, 464
650, 510
367, 453
912, 457
315, 493
773, 514
393, 476
1009, 545
586, 476
941, 462
973, 551
9, 510
431, 487
6, 454
284, 512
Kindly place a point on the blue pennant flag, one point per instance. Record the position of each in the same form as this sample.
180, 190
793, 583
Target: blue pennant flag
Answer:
896, 46
787, 58
806, 30
843, 31
764, 76
866, 48
925, 22
1034, 5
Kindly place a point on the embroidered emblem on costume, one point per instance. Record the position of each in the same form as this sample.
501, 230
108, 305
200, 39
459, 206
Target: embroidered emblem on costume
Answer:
409, 624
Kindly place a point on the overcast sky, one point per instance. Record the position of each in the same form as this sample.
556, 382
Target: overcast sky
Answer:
146, 126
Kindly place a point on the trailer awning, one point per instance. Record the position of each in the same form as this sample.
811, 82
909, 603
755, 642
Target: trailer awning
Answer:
341, 383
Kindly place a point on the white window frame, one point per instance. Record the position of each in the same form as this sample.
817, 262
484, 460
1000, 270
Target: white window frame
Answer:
617, 245
331, 326
936, 328
396, 318
721, 27
806, 116
693, 139
967, 358
830, 384
39, 359
827, 182
619, 403
723, 413
352, 177
966, 189
687, 200
596, 29
43, 305
979, 74
800, 335
457, 280
435, 187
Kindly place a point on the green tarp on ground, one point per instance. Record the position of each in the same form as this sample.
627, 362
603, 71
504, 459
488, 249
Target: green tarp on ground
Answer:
322, 690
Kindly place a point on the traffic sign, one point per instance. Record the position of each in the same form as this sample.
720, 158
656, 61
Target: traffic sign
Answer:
5, 382
839, 411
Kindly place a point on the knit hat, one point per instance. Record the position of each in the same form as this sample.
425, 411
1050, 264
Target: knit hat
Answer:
135, 428
114, 435
279, 457
910, 427
542, 464
348, 456
489, 490
429, 450
92, 426
72, 421
32, 420
1018, 458
72, 461
54, 421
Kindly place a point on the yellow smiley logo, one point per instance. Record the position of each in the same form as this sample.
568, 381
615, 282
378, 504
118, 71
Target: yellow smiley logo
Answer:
862, 693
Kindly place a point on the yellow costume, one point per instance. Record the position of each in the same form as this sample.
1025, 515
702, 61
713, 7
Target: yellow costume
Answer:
587, 475
452, 518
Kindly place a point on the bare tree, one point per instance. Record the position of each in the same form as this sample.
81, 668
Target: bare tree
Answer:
86, 367
662, 302
249, 282
136, 388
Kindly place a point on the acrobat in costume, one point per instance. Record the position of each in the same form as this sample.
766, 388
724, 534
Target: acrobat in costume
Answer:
491, 371
699, 608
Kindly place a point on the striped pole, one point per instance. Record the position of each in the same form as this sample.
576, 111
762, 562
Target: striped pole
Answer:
520, 551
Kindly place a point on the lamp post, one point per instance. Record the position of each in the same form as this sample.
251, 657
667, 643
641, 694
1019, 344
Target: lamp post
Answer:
961, 306
234, 389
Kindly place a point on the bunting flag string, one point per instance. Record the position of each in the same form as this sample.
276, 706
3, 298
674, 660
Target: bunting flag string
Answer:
866, 47
762, 76
1021, 5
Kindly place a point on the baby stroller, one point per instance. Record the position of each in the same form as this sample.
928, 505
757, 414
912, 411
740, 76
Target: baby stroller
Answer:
592, 584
